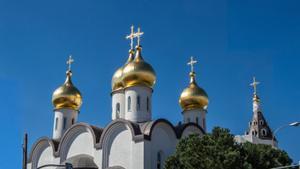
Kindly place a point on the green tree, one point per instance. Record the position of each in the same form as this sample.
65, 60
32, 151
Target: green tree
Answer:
218, 150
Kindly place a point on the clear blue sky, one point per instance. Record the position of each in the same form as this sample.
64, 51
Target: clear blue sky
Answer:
232, 40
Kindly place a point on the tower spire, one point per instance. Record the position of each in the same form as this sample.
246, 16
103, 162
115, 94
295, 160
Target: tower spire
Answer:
254, 84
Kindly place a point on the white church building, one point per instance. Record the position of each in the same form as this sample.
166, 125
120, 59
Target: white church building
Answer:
132, 140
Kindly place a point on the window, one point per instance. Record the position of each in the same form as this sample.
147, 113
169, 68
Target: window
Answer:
261, 122
138, 103
65, 123
203, 123
56, 121
73, 121
129, 103
148, 102
188, 120
264, 132
118, 110
197, 120
158, 163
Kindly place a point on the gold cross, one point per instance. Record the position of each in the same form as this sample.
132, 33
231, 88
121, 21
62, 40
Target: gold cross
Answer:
138, 35
254, 85
131, 36
191, 63
69, 62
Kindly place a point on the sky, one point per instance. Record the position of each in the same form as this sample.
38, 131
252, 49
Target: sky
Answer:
232, 40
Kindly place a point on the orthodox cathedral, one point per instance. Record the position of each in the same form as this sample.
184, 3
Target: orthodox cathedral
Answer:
132, 140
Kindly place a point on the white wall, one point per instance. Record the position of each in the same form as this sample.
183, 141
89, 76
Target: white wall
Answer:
192, 115
60, 114
140, 114
118, 97
163, 140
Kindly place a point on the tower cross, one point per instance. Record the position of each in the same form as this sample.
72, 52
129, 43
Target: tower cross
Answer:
131, 36
254, 85
69, 62
192, 62
138, 35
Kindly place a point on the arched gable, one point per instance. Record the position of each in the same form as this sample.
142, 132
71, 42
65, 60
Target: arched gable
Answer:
116, 143
42, 151
81, 138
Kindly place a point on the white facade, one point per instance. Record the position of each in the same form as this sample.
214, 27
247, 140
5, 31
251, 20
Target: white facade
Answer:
122, 144
138, 103
118, 104
63, 119
197, 116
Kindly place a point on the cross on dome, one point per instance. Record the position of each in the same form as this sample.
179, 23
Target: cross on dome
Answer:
191, 63
138, 35
254, 85
69, 62
131, 36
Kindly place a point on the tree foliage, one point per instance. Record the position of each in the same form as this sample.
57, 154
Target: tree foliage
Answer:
218, 150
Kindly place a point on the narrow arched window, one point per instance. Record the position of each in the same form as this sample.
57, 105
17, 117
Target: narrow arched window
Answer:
188, 120
118, 110
64, 123
138, 103
73, 121
148, 102
129, 103
197, 120
203, 123
158, 162
56, 123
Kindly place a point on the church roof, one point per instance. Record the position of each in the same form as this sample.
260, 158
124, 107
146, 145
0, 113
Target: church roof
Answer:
140, 132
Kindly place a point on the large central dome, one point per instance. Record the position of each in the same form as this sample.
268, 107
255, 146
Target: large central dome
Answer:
138, 72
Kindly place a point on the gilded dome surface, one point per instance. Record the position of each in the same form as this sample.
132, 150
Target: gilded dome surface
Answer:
138, 72
67, 95
116, 82
193, 96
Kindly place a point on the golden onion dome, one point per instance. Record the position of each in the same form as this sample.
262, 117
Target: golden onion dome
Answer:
67, 95
138, 72
193, 97
116, 81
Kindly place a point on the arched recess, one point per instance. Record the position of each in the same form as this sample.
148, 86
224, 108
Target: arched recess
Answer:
42, 153
117, 141
163, 141
79, 139
191, 129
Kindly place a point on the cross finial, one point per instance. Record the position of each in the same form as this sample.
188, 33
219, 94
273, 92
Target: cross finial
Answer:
138, 35
131, 36
254, 85
69, 62
192, 62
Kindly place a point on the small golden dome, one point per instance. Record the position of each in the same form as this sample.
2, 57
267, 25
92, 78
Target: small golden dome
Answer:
67, 95
193, 97
138, 72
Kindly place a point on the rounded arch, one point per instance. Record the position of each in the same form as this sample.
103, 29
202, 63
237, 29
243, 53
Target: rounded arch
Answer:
72, 133
39, 147
181, 129
149, 127
134, 128
117, 133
